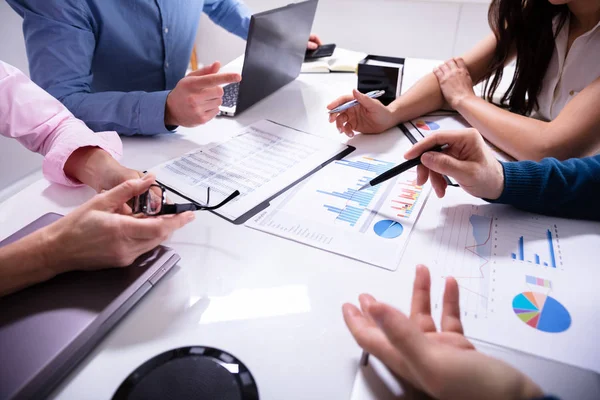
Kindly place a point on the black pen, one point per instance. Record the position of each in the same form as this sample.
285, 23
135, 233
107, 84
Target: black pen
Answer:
398, 169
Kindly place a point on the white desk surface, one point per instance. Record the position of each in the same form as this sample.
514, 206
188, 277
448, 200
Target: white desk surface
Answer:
273, 303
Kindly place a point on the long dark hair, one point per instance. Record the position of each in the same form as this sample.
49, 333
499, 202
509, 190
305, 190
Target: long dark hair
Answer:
524, 26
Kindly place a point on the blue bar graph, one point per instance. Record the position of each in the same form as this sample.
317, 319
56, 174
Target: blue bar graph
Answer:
350, 213
519, 255
357, 201
371, 164
552, 258
521, 249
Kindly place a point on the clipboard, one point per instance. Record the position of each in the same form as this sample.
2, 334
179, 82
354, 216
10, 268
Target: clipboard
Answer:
267, 202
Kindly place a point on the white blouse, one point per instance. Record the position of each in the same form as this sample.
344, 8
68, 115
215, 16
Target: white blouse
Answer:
568, 74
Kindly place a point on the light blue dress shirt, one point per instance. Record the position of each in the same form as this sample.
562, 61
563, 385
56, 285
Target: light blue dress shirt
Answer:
113, 62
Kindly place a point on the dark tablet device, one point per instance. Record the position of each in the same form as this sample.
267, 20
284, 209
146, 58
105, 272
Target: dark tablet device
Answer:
48, 328
325, 50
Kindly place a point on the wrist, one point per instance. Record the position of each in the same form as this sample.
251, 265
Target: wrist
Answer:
460, 102
87, 165
47, 246
497, 180
396, 115
170, 119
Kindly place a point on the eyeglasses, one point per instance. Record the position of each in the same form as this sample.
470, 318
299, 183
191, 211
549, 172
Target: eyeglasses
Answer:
153, 202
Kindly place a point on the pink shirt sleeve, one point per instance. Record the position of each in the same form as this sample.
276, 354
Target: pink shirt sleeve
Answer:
42, 124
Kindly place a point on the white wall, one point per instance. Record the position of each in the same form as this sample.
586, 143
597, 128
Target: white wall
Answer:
16, 162
405, 28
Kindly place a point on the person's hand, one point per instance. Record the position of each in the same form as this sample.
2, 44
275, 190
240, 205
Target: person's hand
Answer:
467, 159
103, 233
455, 81
313, 42
197, 97
444, 364
97, 169
370, 116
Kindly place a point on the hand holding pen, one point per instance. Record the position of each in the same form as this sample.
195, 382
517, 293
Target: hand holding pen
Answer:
467, 159
368, 116
353, 103
398, 169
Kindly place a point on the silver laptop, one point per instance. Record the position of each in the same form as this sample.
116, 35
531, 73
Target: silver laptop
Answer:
274, 54
47, 329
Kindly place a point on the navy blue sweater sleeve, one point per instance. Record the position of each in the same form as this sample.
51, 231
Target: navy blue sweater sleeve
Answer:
568, 189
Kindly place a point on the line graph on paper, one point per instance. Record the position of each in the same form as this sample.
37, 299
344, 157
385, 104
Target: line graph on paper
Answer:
464, 240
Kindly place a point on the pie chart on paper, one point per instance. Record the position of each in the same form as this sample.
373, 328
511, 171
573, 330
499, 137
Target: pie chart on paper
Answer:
427, 125
388, 229
541, 312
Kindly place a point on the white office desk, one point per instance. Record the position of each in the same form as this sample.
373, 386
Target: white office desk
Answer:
273, 303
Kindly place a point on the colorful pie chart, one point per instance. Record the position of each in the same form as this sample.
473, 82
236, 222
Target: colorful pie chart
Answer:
427, 125
541, 312
388, 229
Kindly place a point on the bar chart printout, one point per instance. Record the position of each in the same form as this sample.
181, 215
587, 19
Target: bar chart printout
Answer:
357, 201
550, 251
547, 311
329, 211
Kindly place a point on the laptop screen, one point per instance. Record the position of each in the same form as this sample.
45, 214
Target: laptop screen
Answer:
275, 50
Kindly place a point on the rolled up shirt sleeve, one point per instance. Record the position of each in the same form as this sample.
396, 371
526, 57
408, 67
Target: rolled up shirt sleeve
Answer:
43, 125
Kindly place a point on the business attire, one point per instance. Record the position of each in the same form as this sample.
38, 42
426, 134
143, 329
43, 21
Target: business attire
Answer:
112, 63
568, 189
568, 74
43, 125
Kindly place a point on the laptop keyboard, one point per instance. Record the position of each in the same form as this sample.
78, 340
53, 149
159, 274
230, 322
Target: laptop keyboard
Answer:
231, 94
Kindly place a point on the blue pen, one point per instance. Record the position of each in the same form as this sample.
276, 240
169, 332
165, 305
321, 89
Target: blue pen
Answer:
374, 94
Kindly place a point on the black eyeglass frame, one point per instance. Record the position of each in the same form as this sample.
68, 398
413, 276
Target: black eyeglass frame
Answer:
140, 203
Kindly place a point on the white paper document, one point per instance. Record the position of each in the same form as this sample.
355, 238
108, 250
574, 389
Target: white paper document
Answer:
260, 161
527, 282
328, 212
430, 124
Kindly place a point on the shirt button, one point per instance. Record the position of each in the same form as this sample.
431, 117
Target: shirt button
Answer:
166, 30
571, 93
167, 64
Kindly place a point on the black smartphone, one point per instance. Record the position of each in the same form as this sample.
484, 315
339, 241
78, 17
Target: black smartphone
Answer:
325, 50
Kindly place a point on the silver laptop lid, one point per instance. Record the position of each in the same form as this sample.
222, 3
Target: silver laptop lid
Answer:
274, 52
45, 330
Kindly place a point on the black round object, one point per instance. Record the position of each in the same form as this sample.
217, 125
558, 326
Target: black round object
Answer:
190, 373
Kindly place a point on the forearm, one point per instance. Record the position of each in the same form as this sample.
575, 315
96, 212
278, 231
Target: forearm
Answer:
424, 97
521, 137
89, 165
567, 189
127, 113
25, 263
